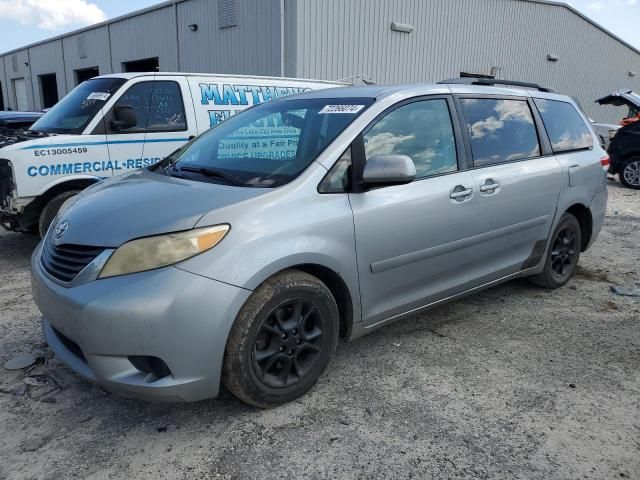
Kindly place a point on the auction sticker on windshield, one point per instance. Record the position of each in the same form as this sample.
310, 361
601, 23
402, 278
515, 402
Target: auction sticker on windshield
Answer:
99, 96
341, 109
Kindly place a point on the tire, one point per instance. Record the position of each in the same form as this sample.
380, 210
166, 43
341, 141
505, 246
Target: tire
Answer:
50, 210
630, 173
563, 255
274, 355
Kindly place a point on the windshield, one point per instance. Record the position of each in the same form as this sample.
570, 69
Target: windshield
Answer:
268, 145
72, 114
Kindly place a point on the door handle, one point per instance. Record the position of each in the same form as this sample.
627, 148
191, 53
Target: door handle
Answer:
489, 187
458, 194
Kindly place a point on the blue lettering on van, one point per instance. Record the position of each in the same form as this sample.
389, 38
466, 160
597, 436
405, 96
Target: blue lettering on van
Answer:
211, 93
89, 167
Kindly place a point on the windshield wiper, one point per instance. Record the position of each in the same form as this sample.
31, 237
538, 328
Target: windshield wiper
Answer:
210, 172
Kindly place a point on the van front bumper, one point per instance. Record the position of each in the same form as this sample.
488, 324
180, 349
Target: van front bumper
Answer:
98, 328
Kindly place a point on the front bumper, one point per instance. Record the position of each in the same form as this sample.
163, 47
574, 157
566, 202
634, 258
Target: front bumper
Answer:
178, 317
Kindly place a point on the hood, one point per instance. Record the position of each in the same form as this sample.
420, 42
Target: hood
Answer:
141, 204
621, 98
11, 136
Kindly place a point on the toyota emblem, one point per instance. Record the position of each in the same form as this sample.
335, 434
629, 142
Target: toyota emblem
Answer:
61, 229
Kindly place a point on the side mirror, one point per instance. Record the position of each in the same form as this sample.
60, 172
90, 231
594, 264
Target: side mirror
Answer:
388, 170
125, 117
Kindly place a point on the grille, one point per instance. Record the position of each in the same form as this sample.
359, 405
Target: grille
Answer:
65, 262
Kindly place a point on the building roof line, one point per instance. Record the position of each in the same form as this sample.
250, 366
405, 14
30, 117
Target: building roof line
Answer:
169, 3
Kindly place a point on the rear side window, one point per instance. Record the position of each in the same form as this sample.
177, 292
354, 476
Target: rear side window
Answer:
500, 130
423, 131
565, 127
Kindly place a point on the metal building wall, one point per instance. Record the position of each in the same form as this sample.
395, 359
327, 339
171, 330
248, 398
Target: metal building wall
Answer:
44, 59
338, 39
16, 65
86, 49
3, 85
151, 34
252, 47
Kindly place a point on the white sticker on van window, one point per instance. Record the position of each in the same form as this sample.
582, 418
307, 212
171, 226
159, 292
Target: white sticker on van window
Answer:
99, 96
341, 109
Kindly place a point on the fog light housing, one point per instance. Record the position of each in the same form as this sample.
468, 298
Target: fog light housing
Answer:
150, 365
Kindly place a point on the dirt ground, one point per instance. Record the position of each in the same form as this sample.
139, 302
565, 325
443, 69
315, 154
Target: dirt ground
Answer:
515, 382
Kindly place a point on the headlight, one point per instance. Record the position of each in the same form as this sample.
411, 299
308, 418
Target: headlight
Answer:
162, 250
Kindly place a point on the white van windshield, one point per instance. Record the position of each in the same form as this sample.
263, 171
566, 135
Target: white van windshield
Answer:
268, 145
72, 114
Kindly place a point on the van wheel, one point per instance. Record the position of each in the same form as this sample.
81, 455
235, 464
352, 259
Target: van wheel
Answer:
630, 173
564, 253
50, 210
282, 340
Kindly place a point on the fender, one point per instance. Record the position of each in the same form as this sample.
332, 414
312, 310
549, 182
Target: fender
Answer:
60, 181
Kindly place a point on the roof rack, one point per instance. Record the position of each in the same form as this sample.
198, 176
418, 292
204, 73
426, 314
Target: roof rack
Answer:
489, 82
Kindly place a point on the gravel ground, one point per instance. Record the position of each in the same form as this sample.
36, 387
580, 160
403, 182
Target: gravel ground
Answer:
515, 382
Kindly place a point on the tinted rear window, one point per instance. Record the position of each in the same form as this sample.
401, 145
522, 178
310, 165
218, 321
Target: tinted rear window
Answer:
500, 130
565, 127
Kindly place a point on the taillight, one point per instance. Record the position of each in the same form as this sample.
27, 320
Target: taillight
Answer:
605, 162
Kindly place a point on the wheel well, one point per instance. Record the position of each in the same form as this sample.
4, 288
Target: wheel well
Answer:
32, 212
339, 290
583, 214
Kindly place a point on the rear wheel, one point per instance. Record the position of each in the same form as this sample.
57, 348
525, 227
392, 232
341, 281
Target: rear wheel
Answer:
630, 173
282, 340
50, 210
563, 255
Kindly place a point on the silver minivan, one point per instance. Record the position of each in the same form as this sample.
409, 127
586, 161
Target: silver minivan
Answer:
245, 255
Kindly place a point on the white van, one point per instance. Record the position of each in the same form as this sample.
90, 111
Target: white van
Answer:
115, 123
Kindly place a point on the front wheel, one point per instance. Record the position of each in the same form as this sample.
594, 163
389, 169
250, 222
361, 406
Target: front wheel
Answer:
50, 210
282, 340
563, 255
630, 174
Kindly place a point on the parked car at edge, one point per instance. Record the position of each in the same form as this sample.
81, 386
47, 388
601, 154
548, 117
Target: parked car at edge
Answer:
605, 132
254, 247
624, 148
10, 120
113, 124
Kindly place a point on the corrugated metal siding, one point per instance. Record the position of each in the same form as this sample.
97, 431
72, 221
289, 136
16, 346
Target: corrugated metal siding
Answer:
21, 60
47, 58
337, 39
251, 48
3, 85
145, 36
96, 53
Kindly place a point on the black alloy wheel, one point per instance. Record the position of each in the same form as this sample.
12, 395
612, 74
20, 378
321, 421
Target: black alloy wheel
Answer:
288, 343
564, 253
282, 340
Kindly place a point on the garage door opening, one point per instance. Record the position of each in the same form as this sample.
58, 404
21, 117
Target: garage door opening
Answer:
84, 74
144, 65
1, 98
48, 90
20, 94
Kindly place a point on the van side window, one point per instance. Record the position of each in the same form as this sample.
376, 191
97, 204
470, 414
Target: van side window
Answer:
158, 107
565, 127
500, 131
423, 131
